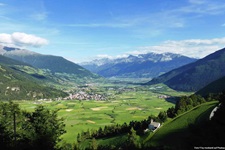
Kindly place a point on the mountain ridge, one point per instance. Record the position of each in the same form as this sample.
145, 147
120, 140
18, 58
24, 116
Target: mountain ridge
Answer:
55, 64
194, 76
142, 65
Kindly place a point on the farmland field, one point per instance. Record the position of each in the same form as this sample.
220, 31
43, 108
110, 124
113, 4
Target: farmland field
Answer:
81, 115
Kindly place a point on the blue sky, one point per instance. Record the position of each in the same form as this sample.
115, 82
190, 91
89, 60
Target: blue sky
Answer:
80, 30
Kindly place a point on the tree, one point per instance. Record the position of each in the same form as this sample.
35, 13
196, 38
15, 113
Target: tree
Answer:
78, 138
8, 135
171, 113
94, 144
133, 140
44, 128
162, 116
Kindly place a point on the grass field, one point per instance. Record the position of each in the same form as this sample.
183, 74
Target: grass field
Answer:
124, 107
175, 131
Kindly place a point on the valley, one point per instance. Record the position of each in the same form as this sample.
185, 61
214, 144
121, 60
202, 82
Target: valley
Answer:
50, 95
112, 75
125, 103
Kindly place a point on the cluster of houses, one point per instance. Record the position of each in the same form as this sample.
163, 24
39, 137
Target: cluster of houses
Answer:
163, 96
85, 96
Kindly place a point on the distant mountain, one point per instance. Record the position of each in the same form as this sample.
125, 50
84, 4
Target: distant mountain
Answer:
54, 64
217, 86
16, 84
140, 66
194, 76
9, 61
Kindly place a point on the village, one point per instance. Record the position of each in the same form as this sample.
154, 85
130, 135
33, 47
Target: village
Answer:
85, 96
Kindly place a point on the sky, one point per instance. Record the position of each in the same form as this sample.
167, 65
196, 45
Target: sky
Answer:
82, 30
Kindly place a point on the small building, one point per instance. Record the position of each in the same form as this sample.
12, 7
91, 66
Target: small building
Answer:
153, 125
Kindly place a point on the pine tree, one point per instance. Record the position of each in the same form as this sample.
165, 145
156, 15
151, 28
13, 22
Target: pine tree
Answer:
133, 140
94, 144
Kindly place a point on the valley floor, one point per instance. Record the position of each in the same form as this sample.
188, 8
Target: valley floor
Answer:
125, 106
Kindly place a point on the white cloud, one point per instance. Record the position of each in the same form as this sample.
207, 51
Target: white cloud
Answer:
206, 7
104, 56
101, 56
197, 48
22, 40
199, 41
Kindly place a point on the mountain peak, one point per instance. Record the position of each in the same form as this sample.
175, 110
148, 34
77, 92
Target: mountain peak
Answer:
55, 64
142, 65
5, 50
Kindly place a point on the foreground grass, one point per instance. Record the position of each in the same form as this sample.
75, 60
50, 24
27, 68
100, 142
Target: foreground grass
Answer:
176, 131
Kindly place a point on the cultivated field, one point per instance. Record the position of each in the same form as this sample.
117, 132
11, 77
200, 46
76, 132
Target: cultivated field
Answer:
81, 115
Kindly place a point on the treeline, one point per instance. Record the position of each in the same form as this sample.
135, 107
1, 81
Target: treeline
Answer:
117, 129
186, 103
23, 130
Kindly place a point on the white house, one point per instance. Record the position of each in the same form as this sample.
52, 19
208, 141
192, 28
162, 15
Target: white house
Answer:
153, 125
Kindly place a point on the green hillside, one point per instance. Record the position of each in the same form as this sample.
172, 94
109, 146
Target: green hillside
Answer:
9, 61
214, 87
175, 133
16, 84
55, 64
194, 76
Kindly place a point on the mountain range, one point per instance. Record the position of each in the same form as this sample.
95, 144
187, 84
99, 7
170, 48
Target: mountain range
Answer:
55, 64
55, 67
141, 66
196, 75
26, 74
27, 67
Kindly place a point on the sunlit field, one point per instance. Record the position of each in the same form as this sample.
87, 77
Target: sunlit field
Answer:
81, 115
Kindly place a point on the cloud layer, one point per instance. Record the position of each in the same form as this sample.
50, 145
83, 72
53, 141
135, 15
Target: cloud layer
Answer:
197, 48
20, 39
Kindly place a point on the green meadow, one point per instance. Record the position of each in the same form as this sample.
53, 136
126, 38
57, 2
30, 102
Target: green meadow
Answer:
83, 115
175, 131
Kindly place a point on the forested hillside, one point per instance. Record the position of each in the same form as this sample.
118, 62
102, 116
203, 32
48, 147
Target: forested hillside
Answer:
16, 85
213, 88
55, 64
194, 76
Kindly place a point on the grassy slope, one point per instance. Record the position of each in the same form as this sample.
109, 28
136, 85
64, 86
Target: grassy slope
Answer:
176, 131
